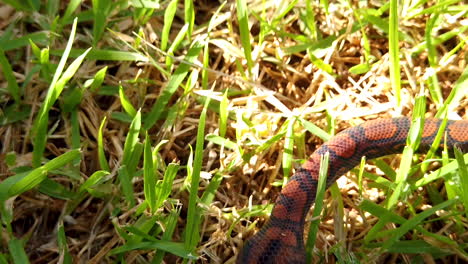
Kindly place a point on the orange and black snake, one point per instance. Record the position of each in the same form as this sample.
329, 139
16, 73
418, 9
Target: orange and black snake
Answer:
281, 239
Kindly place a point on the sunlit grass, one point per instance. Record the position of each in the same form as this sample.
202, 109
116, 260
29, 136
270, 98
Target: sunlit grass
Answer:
162, 131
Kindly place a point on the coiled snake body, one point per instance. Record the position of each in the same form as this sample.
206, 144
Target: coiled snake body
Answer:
281, 239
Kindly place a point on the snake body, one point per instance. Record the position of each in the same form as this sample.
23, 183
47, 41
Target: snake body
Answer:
280, 240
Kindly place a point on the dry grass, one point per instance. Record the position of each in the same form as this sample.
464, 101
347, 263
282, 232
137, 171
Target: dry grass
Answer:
282, 85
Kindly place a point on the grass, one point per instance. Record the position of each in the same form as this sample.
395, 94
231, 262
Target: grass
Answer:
162, 131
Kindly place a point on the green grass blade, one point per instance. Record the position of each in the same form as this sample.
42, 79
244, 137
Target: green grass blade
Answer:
456, 95
98, 79
288, 150
17, 252
172, 86
56, 190
126, 104
175, 248
27, 6
434, 87
440, 39
126, 184
94, 179
175, 44
192, 235
221, 141
462, 170
101, 10
36, 37
165, 187
413, 222
64, 253
169, 14
412, 141
104, 55
223, 115
394, 50
320, 63
132, 139
339, 217
149, 176
312, 128
75, 129
71, 7
189, 17
171, 224
243, 18
37, 175
101, 155
39, 132
321, 188
12, 87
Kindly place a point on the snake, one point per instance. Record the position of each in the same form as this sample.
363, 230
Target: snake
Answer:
280, 240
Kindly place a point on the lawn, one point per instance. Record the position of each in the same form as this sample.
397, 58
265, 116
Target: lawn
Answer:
162, 131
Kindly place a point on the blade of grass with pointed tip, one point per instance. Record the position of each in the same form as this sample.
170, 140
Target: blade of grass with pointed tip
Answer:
222, 141
36, 37
388, 171
101, 9
131, 139
39, 131
175, 248
189, 17
312, 128
149, 176
412, 144
101, 155
272, 140
433, 82
192, 229
98, 79
223, 114
94, 179
394, 50
243, 19
164, 188
361, 174
175, 44
54, 189
71, 7
41, 122
104, 55
169, 14
321, 188
37, 175
125, 102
